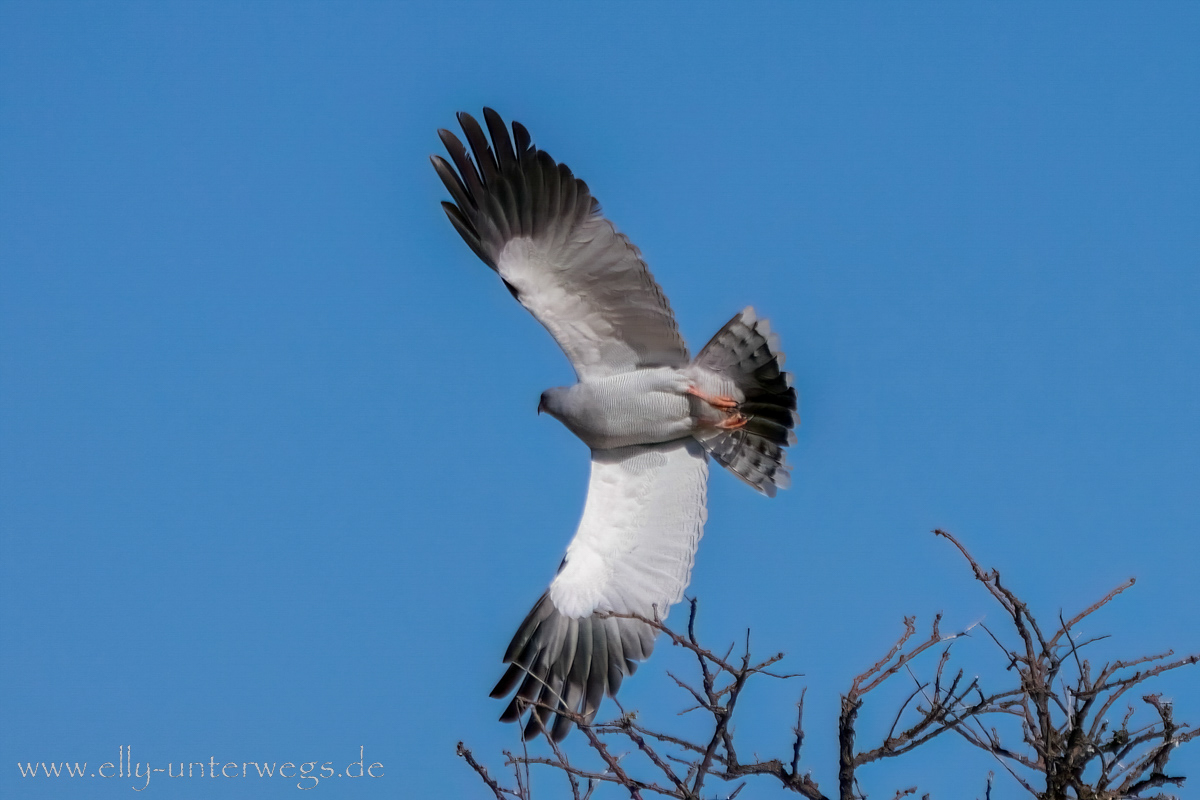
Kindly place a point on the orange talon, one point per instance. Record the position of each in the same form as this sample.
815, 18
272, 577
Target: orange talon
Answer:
734, 421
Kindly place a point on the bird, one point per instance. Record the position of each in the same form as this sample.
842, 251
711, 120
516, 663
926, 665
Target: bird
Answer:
651, 415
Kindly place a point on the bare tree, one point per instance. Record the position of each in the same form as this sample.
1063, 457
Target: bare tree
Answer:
1049, 727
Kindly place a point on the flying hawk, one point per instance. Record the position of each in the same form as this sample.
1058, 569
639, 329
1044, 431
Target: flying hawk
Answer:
647, 410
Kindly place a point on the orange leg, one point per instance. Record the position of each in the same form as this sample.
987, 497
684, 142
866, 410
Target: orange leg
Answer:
721, 401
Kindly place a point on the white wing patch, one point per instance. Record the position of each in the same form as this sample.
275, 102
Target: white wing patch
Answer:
596, 298
637, 539
583, 333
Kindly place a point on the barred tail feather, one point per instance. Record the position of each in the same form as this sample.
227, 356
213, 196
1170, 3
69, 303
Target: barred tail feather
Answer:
744, 360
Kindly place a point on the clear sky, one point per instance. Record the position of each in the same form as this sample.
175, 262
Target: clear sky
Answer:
272, 484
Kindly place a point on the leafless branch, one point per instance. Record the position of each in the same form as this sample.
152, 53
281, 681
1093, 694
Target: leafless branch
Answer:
1051, 727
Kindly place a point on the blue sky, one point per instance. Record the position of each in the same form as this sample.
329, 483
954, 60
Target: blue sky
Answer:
272, 484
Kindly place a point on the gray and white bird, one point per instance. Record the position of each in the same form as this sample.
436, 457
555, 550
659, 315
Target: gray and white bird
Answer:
648, 411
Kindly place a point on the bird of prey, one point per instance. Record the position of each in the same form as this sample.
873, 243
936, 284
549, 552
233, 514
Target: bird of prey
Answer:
650, 414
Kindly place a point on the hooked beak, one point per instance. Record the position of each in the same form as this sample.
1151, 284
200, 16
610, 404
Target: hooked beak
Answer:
541, 405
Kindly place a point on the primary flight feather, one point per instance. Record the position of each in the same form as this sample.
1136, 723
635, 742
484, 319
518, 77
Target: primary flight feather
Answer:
648, 411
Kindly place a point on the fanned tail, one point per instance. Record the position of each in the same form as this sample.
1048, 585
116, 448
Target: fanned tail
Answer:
744, 362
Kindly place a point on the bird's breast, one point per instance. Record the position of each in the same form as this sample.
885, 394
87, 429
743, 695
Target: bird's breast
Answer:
644, 406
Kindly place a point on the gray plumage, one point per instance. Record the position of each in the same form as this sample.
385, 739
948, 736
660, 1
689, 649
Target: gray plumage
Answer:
747, 353
523, 201
646, 410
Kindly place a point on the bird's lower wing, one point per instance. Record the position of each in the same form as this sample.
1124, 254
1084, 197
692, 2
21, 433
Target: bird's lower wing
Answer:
632, 554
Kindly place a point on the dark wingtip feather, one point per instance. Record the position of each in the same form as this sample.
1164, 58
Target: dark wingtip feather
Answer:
522, 140
466, 121
448, 138
467, 232
536, 724
452, 182
479, 146
512, 712
560, 666
508, 681
506, 159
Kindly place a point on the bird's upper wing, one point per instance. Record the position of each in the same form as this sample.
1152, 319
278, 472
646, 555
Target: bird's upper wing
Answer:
539, 227
632, 554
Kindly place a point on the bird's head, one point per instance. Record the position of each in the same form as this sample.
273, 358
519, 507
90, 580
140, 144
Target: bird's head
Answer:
552, 401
